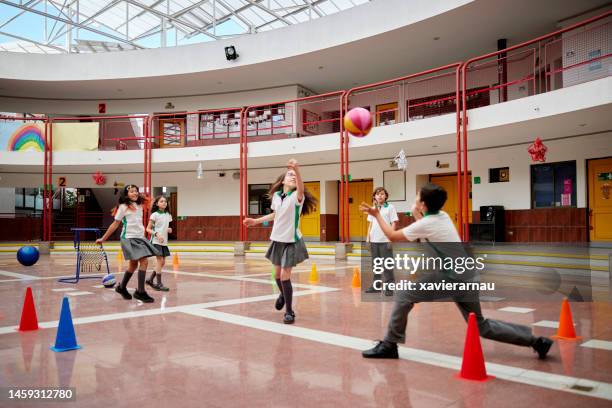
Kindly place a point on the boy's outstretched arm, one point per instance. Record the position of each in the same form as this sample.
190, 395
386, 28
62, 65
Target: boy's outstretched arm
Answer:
386, 228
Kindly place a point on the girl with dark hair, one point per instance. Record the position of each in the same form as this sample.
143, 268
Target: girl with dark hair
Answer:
136, 249
380, 246
159, 228
290, 200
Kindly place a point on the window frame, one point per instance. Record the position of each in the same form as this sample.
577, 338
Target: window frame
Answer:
554, 165
260, 203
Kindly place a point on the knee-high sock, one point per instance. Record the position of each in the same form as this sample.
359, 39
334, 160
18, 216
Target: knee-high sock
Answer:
158, 276
288, 294
280, 286
152, 276
142, 275
126, 278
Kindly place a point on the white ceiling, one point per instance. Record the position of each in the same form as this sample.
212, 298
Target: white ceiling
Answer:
465, 32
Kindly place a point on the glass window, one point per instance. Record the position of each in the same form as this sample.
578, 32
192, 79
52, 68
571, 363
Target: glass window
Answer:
259, 203
19, 198
553, 185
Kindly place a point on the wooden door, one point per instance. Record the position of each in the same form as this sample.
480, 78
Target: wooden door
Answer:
451, 207
311, 223
172, 132
358, 224
600, 199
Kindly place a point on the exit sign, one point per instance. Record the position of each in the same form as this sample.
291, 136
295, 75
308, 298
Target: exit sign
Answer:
605, 176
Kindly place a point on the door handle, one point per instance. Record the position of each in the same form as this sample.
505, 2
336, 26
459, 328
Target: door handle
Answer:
590, 219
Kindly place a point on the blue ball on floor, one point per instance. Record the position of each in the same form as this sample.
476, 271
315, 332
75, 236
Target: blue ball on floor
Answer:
109, 280
27, 255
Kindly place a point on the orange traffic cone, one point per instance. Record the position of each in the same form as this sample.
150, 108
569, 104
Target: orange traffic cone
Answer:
29, 321
175, 260
473, 365
356, 278
314, 275
566, 329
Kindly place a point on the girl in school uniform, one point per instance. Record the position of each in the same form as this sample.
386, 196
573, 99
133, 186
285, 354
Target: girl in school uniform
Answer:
135, 247
380, 246
290, 200
159, 229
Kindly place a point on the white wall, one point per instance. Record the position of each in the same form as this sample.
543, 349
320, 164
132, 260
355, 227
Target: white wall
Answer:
213, 195
551, 115
581, 45
150, 105
516, 193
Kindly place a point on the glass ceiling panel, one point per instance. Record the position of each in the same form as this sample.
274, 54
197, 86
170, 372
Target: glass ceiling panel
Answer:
116, 25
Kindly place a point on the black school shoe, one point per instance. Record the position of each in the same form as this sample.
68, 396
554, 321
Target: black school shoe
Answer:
143, 297
123, 292
289, 318
280, 302
382, 350
541, 346
158, 286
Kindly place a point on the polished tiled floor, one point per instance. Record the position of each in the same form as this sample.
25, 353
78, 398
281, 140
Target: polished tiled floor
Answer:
215, 340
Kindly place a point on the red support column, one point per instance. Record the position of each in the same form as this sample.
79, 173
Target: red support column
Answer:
458, 103
464, 123
341, 192
50, 185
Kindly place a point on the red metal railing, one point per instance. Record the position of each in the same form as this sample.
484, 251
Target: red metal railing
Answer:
573, 55
144, 143
307, 111
433, 86
196, 128
578, 57
536, 45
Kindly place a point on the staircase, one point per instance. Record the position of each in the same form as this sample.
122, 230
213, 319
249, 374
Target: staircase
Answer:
62, 222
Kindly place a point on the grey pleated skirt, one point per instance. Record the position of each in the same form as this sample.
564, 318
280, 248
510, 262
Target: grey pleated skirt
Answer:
287, 254
162, 249
137, 248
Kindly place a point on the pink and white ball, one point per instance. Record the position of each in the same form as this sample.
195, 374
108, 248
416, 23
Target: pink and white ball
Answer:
358, 122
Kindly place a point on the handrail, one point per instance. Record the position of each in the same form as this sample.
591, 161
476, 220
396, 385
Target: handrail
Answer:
464, 71
457, 66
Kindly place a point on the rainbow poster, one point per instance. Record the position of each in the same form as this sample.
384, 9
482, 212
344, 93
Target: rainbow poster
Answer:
16, 136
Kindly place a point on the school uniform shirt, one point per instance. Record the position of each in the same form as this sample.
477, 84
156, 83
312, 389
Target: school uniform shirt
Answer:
435, 227
286, 226
389, 214
131, 218
161, 221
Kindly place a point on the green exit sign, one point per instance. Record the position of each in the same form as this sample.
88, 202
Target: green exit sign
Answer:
605, 176
476, 180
